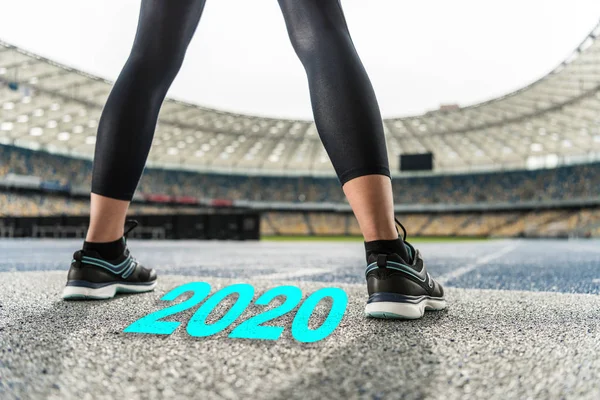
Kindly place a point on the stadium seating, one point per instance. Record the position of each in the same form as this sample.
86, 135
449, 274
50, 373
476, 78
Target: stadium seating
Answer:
572, 182
550, 122
288, 224
536, 147
29, 205
541, 223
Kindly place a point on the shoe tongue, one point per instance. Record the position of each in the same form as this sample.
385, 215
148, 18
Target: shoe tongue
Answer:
389, 246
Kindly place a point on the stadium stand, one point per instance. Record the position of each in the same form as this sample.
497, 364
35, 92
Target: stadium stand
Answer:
30, 205
583, 222
569, 182
550, 122
524, 164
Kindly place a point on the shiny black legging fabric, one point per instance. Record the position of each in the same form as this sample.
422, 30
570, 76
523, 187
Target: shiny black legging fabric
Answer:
345, 108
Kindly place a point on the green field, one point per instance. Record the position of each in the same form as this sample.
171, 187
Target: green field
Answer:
425, 239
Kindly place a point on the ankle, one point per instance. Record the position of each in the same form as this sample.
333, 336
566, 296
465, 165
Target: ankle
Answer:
379, 230
105, 235
370, 236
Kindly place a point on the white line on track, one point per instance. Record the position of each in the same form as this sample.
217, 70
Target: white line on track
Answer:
479, 262
282, 276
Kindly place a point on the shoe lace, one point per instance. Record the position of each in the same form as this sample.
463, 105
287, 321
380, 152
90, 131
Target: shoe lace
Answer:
403, 229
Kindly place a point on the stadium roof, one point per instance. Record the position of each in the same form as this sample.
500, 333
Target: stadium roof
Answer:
555, 120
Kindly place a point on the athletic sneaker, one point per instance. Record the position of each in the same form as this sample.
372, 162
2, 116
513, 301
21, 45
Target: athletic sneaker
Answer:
400, 288
93, 277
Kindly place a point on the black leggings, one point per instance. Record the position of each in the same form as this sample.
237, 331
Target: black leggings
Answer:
345, 108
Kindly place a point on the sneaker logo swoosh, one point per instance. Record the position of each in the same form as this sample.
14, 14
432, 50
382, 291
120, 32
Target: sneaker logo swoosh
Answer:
420, 275
115, 269
129, 270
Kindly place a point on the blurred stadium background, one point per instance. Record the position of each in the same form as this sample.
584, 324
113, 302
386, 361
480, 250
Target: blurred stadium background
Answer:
526, 164
522, 320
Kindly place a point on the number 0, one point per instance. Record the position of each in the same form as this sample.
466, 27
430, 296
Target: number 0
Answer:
198, 326
300, 330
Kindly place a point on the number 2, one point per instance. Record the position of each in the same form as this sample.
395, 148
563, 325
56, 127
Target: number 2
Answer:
151, 324
252, 329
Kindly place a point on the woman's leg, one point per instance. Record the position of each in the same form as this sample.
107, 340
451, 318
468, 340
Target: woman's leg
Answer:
346, 111
129, 118
350, 126
370, 197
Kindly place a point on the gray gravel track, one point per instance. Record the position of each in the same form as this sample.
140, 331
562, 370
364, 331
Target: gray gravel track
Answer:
489, 343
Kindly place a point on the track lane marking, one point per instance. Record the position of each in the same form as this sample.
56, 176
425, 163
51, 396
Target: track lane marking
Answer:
479, 262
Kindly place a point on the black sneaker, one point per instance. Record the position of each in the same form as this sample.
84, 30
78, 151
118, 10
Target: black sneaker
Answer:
401, 289
93, 277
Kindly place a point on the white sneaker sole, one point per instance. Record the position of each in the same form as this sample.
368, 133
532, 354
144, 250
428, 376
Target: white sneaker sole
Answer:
397, 310
105, 292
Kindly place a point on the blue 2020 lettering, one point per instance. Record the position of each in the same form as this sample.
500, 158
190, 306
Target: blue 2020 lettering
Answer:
253, 327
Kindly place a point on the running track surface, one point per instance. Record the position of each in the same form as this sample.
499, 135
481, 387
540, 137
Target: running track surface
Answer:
523, 322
